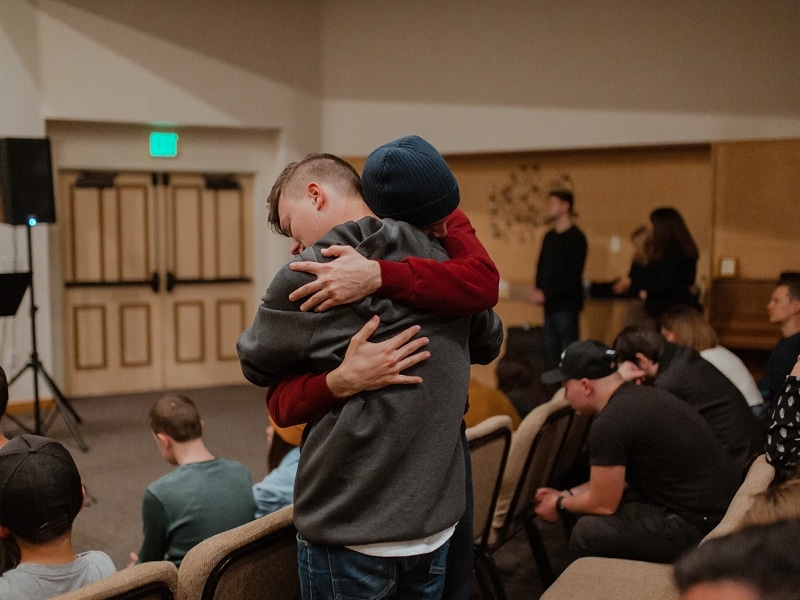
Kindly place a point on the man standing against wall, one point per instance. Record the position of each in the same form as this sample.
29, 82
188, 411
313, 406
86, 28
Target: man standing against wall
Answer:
559, 275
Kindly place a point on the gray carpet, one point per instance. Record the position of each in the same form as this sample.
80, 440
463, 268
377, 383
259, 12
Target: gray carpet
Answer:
123, 459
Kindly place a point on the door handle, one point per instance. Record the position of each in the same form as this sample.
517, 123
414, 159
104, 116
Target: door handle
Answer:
155, 282
171, 281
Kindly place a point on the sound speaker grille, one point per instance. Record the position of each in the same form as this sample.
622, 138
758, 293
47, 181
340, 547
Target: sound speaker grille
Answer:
26, 181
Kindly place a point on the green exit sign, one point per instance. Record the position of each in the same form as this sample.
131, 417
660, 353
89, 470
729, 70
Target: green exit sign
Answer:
163, 144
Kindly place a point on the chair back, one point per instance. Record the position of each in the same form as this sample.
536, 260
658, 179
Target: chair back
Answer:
535, 445
146, 581
489, 442
758, 479
571, 448
254, 561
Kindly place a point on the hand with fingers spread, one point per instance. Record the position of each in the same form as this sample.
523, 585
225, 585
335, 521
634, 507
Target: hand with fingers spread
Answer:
371, 366
348, 278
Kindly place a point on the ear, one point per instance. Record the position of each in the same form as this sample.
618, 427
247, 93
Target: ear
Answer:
163, 439
317, 195
643, 361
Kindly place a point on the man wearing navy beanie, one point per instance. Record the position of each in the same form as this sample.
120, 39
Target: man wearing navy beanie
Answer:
405, 474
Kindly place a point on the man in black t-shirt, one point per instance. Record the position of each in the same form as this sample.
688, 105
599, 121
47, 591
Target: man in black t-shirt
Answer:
681, 371
559, 275
659, 479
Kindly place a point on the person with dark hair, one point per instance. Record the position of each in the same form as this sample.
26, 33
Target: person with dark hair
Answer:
204, 496
686, 326
659, 479
40, 496
759, 562
365, 535
668, 278
559, 275
784, 311
680, 370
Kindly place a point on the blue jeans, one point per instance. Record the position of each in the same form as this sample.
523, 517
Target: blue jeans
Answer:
561, 328
338, 573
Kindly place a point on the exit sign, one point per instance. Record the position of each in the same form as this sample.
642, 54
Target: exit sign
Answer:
164, 145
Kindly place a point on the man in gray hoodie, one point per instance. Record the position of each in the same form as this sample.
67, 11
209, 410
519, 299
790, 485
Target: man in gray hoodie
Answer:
380, 485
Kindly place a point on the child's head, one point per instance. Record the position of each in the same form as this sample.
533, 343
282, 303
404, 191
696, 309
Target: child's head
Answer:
408, 180
40, 489
177, 417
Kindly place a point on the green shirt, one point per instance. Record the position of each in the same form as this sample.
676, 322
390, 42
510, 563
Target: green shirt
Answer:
192, 503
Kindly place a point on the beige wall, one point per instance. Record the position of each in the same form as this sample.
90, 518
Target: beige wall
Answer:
346, 76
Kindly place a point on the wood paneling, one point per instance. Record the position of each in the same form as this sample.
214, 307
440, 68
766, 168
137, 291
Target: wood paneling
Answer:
757, 206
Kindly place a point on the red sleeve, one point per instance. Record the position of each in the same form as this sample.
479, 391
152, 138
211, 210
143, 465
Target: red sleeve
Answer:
298, 399
466, 284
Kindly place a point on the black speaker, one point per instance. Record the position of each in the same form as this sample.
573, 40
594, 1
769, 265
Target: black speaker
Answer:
26, 181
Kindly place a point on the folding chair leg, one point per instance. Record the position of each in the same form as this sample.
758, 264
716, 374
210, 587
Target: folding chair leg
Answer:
493, 588
543, 565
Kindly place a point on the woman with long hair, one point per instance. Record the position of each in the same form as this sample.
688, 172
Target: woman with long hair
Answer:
668, 278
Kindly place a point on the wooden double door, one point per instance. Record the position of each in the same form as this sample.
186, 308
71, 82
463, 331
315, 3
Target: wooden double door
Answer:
157, 279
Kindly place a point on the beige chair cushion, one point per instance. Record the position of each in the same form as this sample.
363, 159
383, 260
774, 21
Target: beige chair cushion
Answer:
594, 578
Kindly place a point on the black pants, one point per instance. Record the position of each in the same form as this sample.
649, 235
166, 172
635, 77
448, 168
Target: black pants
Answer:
637, 531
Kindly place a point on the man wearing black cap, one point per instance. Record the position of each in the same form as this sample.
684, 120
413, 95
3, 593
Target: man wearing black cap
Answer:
380, 484
659, 479
40, 496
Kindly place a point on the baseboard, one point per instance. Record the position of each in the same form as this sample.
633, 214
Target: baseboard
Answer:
19, 407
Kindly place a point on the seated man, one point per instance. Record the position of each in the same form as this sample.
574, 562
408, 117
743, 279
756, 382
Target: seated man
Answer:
204, 496
659, 479
366, 524
784, 311
40, 496
681, 371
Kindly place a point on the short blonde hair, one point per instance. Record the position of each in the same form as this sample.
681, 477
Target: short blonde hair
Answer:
689, 327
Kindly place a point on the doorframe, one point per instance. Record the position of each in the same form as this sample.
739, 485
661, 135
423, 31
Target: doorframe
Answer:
125, 147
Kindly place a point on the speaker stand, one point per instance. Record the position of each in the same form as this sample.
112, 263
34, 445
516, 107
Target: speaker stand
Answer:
63, 407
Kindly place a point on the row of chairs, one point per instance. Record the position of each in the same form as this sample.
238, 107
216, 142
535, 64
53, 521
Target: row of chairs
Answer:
255, 561
507, 469
259, 559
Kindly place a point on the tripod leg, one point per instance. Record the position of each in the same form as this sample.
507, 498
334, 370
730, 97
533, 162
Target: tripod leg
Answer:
67, 412
57, 393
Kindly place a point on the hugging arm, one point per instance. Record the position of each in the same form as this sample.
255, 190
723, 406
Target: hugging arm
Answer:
465, 284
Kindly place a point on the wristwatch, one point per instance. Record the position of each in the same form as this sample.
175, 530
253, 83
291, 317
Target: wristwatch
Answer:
560, 505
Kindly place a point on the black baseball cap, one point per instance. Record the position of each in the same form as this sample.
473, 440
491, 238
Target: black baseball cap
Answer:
587, 359
40, 487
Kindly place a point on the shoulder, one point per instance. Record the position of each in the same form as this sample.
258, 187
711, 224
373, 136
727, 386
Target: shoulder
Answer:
99, 560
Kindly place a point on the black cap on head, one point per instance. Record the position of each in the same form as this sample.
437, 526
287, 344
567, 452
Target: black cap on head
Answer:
587, 359
40, 488
408, 180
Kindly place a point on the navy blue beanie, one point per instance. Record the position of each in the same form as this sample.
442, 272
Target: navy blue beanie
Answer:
408, 180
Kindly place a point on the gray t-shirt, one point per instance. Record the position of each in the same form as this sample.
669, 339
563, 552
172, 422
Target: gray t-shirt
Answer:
31, 581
